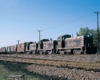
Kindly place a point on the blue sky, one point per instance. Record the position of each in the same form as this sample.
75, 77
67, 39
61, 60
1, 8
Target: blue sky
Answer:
20, 19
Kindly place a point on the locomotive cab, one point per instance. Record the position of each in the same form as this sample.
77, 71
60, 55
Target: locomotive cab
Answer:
40, 45
28, 47
33, 48
61, 42
88, 44
49, 47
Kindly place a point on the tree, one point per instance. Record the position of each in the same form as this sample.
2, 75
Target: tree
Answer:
86, 31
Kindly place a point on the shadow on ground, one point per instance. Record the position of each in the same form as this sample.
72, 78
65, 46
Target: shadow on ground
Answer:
20, 67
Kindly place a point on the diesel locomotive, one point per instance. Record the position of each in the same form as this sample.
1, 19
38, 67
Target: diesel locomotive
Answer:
64, 44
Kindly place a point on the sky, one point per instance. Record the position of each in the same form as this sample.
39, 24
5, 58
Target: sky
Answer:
20, 19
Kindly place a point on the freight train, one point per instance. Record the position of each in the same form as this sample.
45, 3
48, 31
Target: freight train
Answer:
64, 44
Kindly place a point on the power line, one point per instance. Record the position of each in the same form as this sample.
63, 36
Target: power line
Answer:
70, 22
39, 34
74, 20
97, 31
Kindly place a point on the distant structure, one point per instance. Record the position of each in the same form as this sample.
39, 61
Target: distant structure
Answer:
72, 35
18, 41
39, 34
77, 34
50, 39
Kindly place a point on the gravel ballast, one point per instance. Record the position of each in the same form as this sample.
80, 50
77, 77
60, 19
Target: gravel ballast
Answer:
70, 74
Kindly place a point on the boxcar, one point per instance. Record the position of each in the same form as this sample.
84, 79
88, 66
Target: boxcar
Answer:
2, 50
21, 48
13, 48
8, 49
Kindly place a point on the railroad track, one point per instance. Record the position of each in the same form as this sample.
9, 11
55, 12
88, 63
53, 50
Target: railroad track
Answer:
58, 63
76, 58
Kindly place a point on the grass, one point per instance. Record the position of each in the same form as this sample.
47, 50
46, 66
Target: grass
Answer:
7, 68
3, 72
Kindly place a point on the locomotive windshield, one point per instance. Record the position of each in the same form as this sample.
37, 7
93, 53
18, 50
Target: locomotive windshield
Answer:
63, 37
66, 36
43, 40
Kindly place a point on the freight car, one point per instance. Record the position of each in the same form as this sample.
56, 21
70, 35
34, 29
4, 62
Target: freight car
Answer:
2, 50
11, 49
23, 47
8, 49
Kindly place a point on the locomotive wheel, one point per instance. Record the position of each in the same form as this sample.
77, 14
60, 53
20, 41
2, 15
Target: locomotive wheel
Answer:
62, 52
58, 52
27, 52
47, 52
77, 52
74, 52
38, 52
65, 52
41, 52
81, 52
71, 52
50, 52
84, 52
33, 52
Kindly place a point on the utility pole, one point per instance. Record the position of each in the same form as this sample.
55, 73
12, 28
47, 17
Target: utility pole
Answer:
39, 34
97, 32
